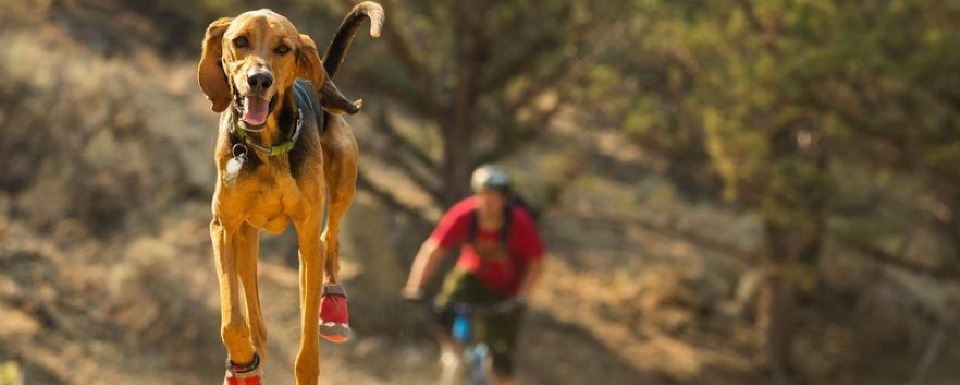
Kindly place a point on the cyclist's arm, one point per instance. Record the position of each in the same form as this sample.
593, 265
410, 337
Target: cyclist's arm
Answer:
424, 265
534, 270
530, 247
450, 232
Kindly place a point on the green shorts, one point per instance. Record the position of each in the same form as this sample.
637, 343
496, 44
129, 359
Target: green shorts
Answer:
498, 331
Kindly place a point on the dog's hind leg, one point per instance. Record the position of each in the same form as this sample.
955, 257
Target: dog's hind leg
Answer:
340, 174
247, 266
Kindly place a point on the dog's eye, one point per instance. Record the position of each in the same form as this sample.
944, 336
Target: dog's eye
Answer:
282, 49
241, 42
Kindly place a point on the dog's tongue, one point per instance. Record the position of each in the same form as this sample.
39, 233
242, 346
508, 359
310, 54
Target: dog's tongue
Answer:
255, 110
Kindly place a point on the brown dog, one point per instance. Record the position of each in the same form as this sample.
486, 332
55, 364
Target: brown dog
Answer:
283, 145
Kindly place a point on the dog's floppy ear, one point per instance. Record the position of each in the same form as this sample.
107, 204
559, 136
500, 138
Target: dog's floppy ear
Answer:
310, 67
213, 81
333, 101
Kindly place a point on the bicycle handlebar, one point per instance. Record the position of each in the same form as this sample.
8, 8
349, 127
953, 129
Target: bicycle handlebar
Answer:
501, 307
468, 308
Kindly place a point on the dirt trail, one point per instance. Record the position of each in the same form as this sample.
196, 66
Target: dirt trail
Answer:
399, 352
149, 315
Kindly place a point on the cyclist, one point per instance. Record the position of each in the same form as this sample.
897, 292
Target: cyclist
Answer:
500, 260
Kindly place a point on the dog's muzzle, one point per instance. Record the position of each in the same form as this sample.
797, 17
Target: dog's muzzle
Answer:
253, 105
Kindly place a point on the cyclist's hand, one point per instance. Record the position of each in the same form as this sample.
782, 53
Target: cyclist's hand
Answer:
516, 304
412, 294
520, 302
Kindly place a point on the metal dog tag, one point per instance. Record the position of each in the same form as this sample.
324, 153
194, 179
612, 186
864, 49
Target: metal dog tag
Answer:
235, 164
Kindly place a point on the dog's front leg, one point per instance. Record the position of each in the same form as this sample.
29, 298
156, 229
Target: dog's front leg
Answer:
311, 282
249, 239
234, 331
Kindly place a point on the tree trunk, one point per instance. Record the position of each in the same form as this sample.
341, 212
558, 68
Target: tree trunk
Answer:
460, 125
793, 239
457, 162
950, 227
777, 302
817, 192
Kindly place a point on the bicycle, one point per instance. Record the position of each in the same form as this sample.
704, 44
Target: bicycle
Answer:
470, 358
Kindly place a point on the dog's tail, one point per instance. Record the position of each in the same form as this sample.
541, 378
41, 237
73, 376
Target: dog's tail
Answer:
337, 50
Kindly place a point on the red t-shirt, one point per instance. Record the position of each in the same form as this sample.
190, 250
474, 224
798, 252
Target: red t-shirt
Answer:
498, 270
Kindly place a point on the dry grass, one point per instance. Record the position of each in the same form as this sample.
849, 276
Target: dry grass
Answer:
91, 138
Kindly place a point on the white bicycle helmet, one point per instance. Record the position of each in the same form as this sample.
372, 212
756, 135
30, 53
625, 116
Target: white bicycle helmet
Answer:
490, 177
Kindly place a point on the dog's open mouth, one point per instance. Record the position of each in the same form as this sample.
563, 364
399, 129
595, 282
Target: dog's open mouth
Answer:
254, 109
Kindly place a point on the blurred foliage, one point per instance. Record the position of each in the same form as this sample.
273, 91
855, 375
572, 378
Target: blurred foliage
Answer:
774, 100
803, 112
483, 78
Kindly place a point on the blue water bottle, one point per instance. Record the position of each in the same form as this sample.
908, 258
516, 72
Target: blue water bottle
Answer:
461, 327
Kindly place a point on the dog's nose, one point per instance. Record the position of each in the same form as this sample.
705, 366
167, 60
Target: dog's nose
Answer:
259, 80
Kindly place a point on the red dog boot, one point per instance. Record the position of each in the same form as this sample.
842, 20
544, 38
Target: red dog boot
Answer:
333, 314
246, 374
